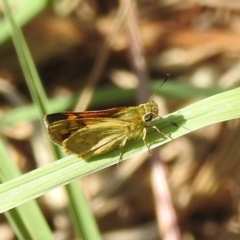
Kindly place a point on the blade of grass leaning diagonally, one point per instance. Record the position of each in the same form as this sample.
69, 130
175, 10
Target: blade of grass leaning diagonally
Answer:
21, 217
221, 107
84, 219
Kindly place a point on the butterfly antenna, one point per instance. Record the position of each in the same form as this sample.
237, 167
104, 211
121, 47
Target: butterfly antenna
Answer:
155, 92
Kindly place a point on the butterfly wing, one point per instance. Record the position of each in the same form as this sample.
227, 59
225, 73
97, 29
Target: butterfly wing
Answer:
89, 137
97, 137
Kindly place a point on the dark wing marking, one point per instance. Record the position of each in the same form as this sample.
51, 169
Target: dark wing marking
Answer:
54, 117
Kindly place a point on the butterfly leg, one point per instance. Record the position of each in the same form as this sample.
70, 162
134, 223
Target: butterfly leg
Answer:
144, 139
122, 148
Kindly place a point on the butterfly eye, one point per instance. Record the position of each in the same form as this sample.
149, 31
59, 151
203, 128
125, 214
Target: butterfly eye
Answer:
147, 117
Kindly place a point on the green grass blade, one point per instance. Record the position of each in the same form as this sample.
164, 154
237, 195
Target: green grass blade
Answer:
83, 220
39, 98
21, 217
218, 108
26, 62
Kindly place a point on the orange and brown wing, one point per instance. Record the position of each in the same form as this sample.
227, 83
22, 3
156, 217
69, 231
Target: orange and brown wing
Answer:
53, 117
